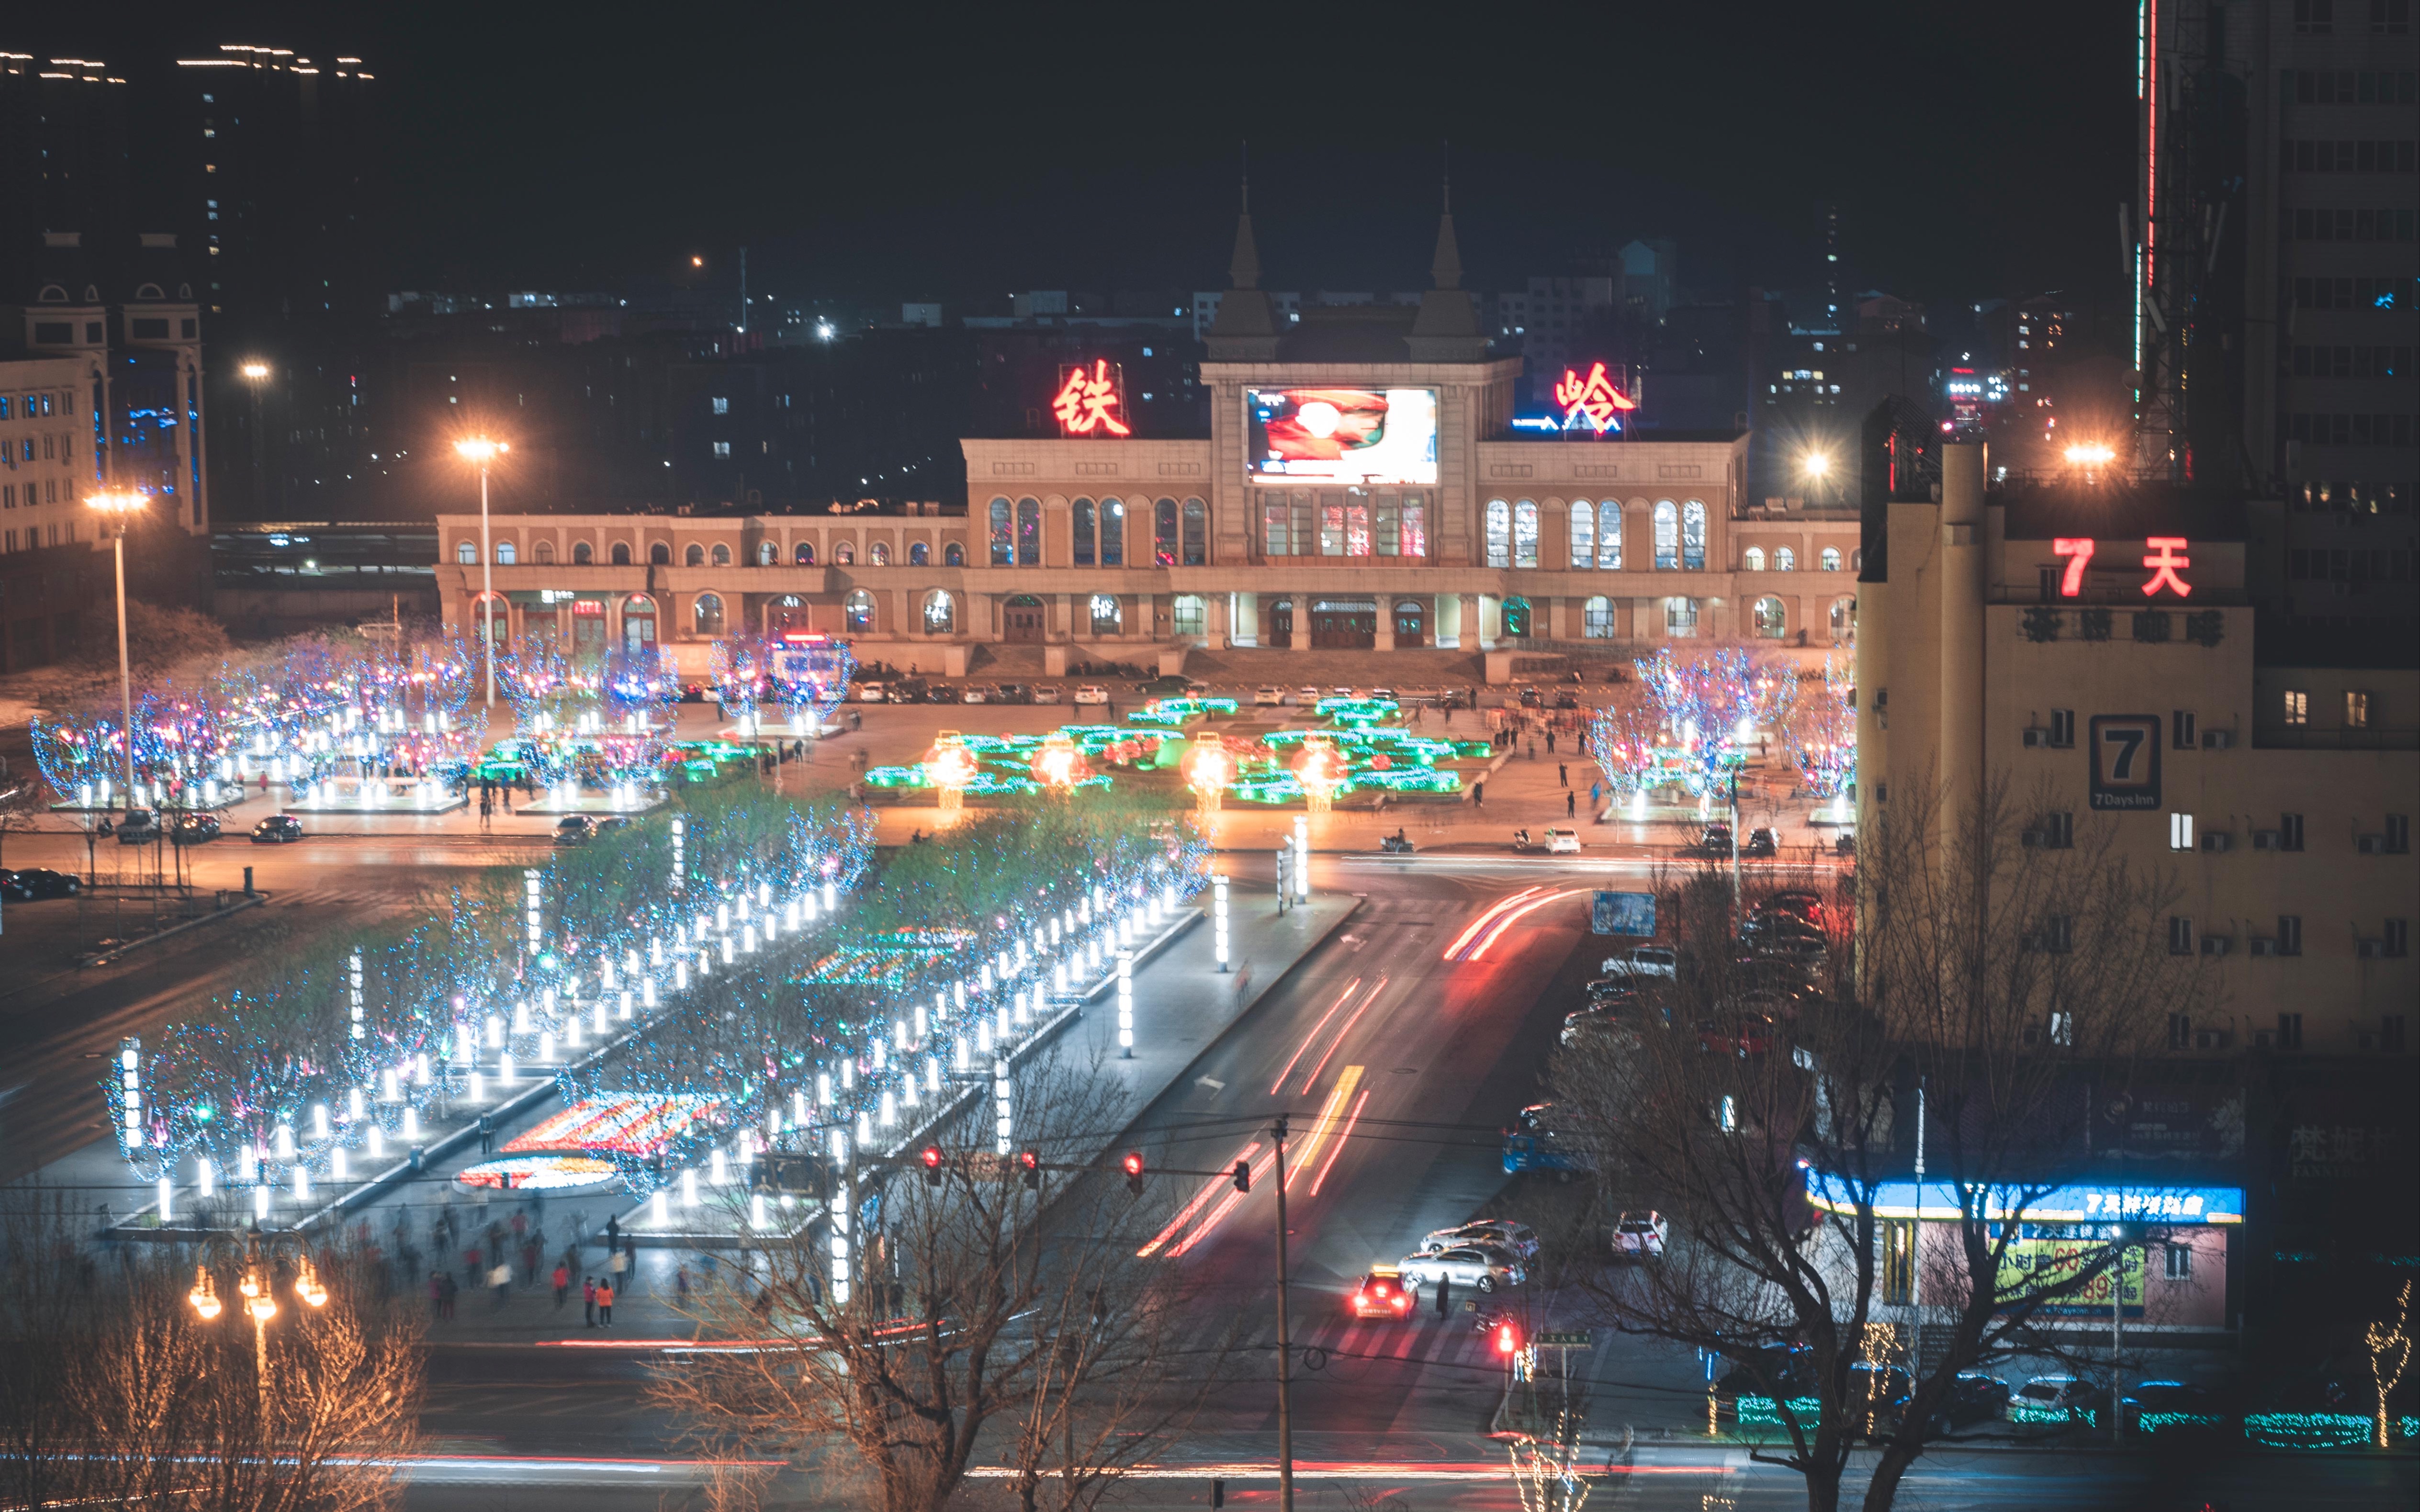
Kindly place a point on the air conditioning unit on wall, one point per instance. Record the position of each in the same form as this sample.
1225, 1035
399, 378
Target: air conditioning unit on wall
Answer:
2217, 943
2217, 739
2218, 841
2036, 739
2264, 945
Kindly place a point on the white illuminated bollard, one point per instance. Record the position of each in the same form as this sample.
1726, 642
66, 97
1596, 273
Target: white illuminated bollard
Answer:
624, 1011
680, 975
660, 1206
338, 1167
890, 1108
1301, 859
689, 1185
823, 1089
756, 1209
546, 1046
167, 1194
505, 1069
389, 1085
522, 1024
377, 1144
261, 1204
495, 1032
284, 1142
318, 1121
204, 1177
478, 1092
799, 1108
1004, 1128
647, 992
302, 1183
1125, 1005
411, 1124
354, 1104
1220, 938
832, 896
718, 1167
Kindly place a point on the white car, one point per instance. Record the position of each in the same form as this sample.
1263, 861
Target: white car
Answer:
1562, 842
1091, 693
1640, 1236
871, 692
1503, 1233
1269, 697
1306, 697
1643, 960
1046, 692
2055, 1399
1465, 1265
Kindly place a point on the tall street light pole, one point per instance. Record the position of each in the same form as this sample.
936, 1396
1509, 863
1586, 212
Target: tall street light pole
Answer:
255, 375
120, 508
479, 449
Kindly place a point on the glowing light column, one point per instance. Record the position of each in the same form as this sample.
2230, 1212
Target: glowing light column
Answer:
1125, 1005
1301, 859
1219, 917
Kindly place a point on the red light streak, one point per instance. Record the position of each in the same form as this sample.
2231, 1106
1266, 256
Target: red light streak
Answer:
1338, 1147
1341, 1033
1307, 1039
1260, 1169
1516, 917
1481, 922
1184, 1214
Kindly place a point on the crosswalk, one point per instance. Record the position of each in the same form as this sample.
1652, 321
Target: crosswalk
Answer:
1323, 1330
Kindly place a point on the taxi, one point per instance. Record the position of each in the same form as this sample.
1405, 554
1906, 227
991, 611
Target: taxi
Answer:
1382, 1294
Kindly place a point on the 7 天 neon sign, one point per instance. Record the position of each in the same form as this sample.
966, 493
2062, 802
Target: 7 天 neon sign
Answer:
2166, 557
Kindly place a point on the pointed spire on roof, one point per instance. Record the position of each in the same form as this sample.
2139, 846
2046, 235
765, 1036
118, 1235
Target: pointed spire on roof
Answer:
1245, 327
1445, 268
1244, 268
1447, 328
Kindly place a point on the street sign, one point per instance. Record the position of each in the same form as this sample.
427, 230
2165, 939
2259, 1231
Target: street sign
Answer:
1623, 913
1577, 1340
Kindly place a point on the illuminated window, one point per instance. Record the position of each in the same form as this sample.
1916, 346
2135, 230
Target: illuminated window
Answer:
1525, 534
1596, 619
638, 622
1668, 535
878, 554
1830, 559
918, 553
1356, 525
767, 554
2297, 706
2357, 710
1583, 535
1107, 617
1784, 559
1608, 536
1190, 614
709, 614
1004, 545
621, 553
467, 553
659, 555
1416, 526
953, 555
504, 553
1693, 537
1679, 617
1197, 533
1771, 622
940, 613
1331, 529
1752, 560
1844, 620
543, 553
1028, 533
1086, 520
844, 553
1500, 533
694, 556
805, 554
582, 554
722, 555
857, 611
1163, 534
1274, 537
1517, 619
1113, 534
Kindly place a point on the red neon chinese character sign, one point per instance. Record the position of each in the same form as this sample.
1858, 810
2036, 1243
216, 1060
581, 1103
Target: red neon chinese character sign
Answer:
1594, 398
1085, 400
2078, 552
2167, 555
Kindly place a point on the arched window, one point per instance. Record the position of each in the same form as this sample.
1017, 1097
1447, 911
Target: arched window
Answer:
844, 553
621, 553
659, 555
722, 555
857, 611
1028, 533
940, 613
504, 553
1525, 534
1197, 533
638, 622
1085, 518
804, 555
1772, 621
1784, 559
1752, 560
1517, 618
1608, 535
878, 554
1500, 533
919, 553
1668, 535
953, 555
768, 553
1192, 615
543, 553
1596, 619
582, 554
694, 556
1107, 617
1844, 620
1004, 545
1858, 559
709, 614
1680, 616
1830, 559
467, 553
1583, 535
1163, 534
1113, 532
1693, 537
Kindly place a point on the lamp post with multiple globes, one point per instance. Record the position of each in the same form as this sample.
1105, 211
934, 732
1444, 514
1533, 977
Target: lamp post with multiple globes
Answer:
120, 506
257, 1285
480, 450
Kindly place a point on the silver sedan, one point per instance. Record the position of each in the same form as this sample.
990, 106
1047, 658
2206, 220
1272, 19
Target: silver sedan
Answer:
1465, 1265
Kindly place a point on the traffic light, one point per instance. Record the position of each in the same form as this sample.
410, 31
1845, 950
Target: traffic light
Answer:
932, 1158
1133, 1163
1242, 1176
1032, 1164
1507, 1339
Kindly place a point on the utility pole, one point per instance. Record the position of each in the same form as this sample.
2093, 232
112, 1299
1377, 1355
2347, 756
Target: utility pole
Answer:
1285, 1346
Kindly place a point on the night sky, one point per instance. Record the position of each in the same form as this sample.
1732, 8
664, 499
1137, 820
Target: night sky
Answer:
903, 150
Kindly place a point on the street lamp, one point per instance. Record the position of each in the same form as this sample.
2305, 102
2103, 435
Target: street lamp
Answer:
479, 449
257, 1287
1817, 466
121, 506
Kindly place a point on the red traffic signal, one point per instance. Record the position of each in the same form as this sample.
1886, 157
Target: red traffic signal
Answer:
1242, 1176
1133, 1168
1507, 1339
932, 1159
1032, 1164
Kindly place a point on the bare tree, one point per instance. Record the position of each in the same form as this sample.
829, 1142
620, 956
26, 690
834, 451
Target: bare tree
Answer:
21, 807
1999, 979
993, 1318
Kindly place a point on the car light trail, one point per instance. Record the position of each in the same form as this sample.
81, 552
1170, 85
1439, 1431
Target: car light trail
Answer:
1452, 951
1260, 1169
1326, 1124
1338, 1148
1314, 1077
1304, 1049
1184, 1214
1509, 920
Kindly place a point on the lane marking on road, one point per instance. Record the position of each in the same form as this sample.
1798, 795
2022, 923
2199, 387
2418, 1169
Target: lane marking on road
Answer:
1305, 1047
1308, 1081
1338, 1148
1211, 1082
1346, 1082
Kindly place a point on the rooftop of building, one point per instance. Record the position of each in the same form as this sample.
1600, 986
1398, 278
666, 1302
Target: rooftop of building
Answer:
2105, 508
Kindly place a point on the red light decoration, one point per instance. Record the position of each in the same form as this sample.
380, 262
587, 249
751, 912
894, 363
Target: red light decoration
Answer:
2078, 552
1592, 398
1086, 398
2166, 556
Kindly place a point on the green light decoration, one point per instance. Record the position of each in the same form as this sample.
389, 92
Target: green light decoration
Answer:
1177, 713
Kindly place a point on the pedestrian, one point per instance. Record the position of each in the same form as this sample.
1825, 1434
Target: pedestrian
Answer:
1478, 794
612, 1231
1571, 805
1562, 771
562, 1285
435, 1296
630, 1260
520, 1225
452, 1288
588, 1297
680, 1284
617, 1265
502, 1279
487, 1133
1550, 741
529, 1261
605, 1306
1445, 1287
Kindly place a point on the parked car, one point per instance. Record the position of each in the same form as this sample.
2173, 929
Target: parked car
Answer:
1974, 1396
1562, 841
1715, 839
35, 884
1532, 698
194, 829
277, 829
1738, 1031
574, 830
2173, 1409
1880, 1394
2056, 1401
871, 692
1644, 960
1808, 907
1566, 698
1268, 697
1306, 697
1173, 685
1640, 1236
139, 827
1531, 1143
1518, 1238
1091, 693
1046, 692
1382, 1294
979, 693
1014, 693
611, 822
1482, 1266
1760, 842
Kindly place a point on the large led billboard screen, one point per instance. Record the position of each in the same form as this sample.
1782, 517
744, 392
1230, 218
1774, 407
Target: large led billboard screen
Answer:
1362, 436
